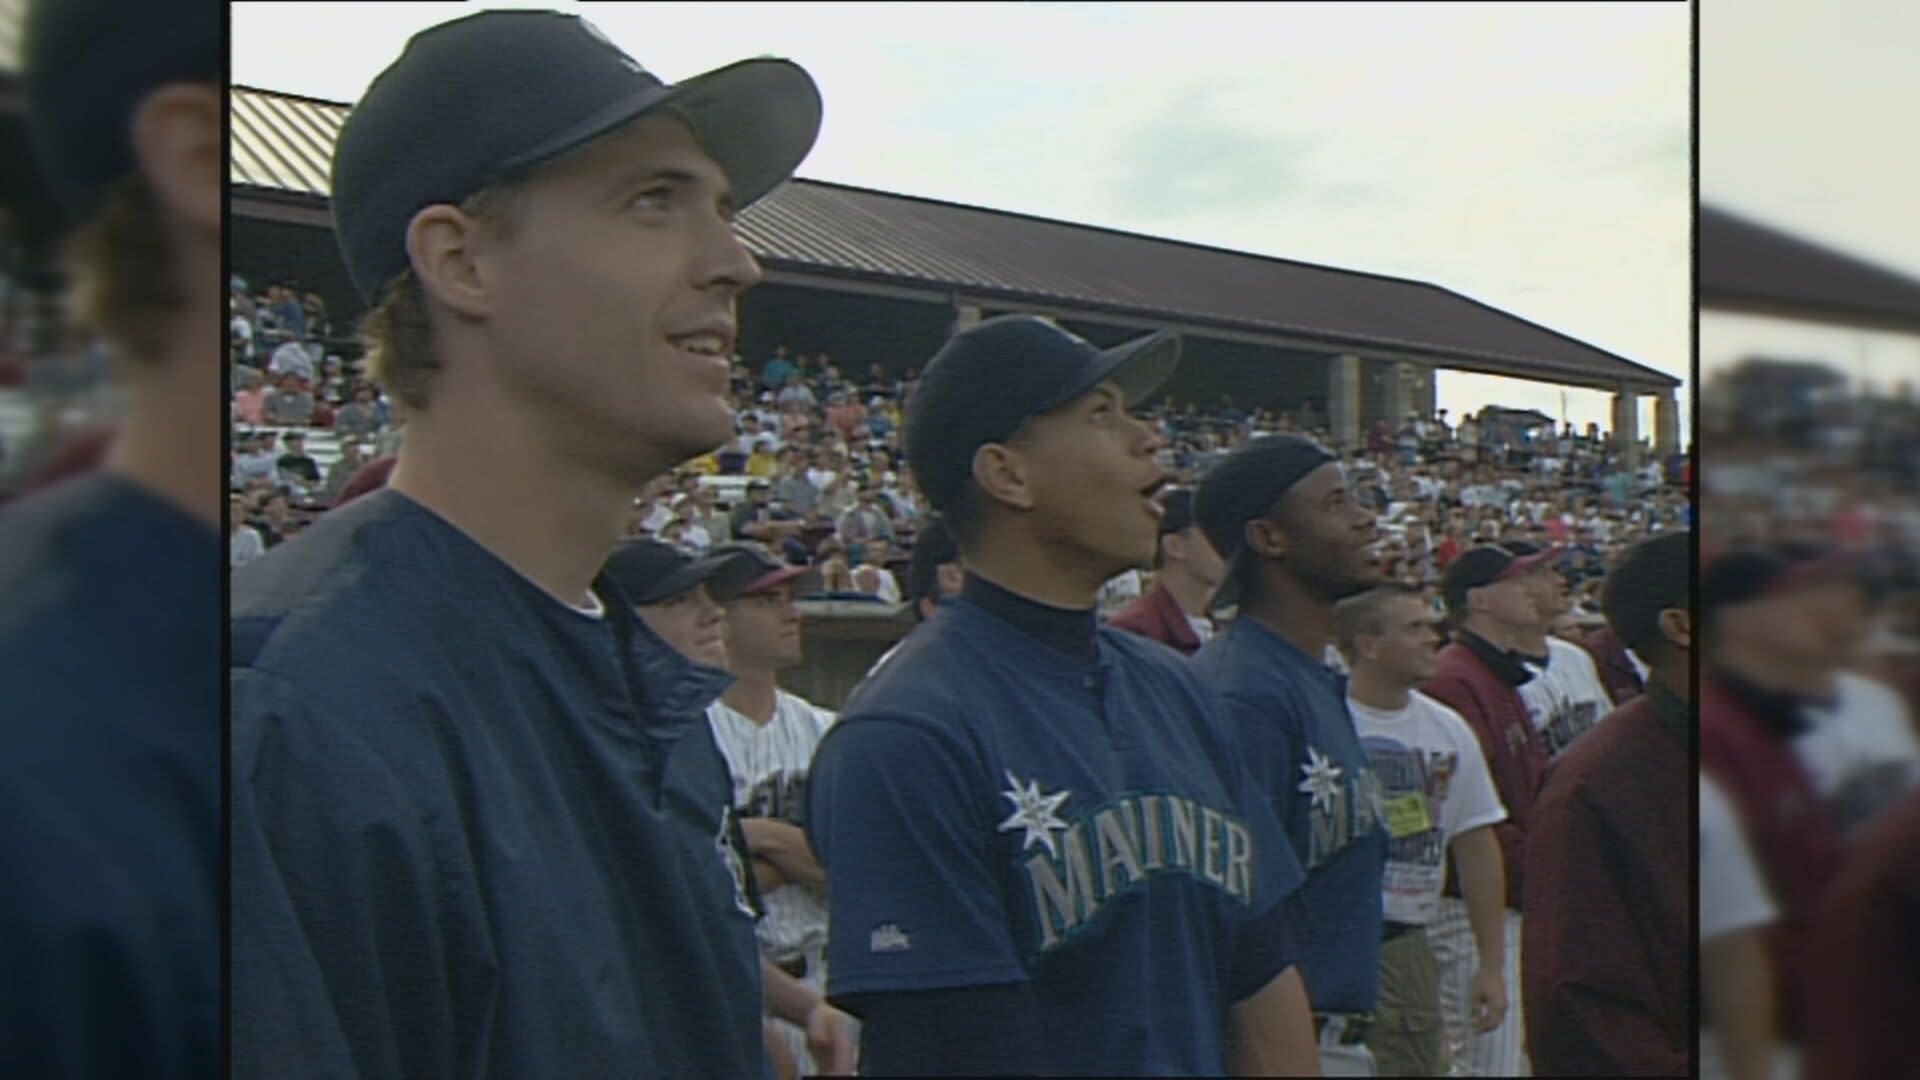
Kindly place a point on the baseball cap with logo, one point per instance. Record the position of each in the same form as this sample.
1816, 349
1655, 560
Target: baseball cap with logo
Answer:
990, 379
652, 571
769, 571
490, 96
1488, 564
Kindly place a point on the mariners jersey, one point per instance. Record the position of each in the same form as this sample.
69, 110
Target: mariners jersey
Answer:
990, 810
474, 831
1565, 697
1293, 730
769, 763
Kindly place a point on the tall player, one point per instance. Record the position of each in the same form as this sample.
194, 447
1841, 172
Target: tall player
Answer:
1296, 543
456, 843
1565, 694
767, 737
110, 863
1044, 855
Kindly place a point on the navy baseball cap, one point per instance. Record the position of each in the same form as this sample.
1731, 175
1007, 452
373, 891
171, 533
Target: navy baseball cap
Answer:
492, 95
1485, 565
769, 571
990, 379
87, 65
652, 571
1177, 507
1741, 576
1247, 485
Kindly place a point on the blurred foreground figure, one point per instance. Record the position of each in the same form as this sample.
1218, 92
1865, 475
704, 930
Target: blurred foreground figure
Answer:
110, 867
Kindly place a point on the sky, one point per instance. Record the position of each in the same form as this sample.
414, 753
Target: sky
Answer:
1533, 156
1822, 148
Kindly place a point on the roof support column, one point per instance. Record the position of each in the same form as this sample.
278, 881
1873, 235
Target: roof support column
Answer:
1344, 384
1626, 426
968, 315
1666, 424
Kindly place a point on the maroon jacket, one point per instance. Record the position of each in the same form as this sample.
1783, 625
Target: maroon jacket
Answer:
1863, 982
1616, 671
1156, 614
1607, 943
1795, 841
1515, 752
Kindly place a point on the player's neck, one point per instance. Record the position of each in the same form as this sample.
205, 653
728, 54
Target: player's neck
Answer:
547, 518
1032, 571
1192, 594
1304, 620
754, 694
1530, 642
167, 444
1371, 687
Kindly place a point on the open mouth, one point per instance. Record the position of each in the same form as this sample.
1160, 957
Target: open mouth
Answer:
1154, 495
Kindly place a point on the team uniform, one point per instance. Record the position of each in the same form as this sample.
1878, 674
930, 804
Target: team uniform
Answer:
768, 764
1292, 728
993, 811
1565, 695
475, 831
1434, 787
109, 785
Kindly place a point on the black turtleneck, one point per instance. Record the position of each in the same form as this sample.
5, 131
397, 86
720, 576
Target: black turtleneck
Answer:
1505, 665
1782, 712
1069, 630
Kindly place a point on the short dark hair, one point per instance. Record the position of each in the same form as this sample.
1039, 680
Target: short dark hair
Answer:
1651, 577
1367, 613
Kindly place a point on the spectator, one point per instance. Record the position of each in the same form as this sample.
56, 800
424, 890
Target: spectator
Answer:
844, 414
1176, 611
869, 574
250, 400
754, 519
274, 519
358, 418
866, 521
255, 460
296, 467
763, 462
342, 470
292, 358
796, 392
243, 540
1737, 983
702, 511
882, 421
334, 389
318, 327
778, 370
290, 404
792, 489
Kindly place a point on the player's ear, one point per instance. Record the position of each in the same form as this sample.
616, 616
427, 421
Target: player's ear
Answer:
1173, 548
177, 141
1676, 625
441, 246
1001, 473
1266, 538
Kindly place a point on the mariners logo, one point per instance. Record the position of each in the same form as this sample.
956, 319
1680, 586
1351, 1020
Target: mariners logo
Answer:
1033, 812
1342, 805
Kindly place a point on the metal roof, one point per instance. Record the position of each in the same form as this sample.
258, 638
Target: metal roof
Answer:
1748, 266
283, 143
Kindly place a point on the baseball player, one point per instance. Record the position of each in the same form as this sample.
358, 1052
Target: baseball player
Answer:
1565, 695
463, 841
110, 863
1295, 541
1439, 802
1042, 852
679, 598
1608, 935
767, 737
1490, 604
1175, 612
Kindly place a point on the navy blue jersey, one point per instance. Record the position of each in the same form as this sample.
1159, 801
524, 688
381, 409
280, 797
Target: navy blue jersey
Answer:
1292, 728
110, 865
475, 832
990, 811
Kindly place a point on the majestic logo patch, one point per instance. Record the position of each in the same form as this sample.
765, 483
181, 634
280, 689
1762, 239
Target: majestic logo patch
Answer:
886, 938
1034, 812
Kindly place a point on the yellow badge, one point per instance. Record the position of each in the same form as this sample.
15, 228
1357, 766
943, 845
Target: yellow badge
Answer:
1407, 815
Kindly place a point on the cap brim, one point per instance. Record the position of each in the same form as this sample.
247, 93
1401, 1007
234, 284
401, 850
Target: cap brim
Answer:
805, 581
757, 119
1527, 564
1139, 368
723, 575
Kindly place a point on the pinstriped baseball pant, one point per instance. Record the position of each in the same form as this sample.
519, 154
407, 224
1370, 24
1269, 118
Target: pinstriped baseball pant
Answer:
1502, 1051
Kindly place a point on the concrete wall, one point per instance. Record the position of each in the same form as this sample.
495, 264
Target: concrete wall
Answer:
839, 643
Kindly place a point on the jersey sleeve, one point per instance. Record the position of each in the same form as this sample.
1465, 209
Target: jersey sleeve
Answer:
341, 960
1732, 897
1472, 801
914, 902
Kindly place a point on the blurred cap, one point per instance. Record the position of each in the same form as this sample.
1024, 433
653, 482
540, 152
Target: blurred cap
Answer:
87, 65
1177, 506
651, 571
1485, 565
1741, 576
769, 571
990, 379
492, 95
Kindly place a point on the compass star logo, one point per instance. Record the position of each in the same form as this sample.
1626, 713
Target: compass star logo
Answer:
1034, 812
1322, 778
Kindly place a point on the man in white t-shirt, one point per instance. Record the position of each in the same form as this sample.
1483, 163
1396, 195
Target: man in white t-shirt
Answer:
768, 737
1565, 696
1438, 799
1736, 975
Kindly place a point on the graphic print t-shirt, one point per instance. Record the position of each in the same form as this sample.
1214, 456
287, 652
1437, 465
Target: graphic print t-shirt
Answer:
1434, 786
1565, 698
1861, 751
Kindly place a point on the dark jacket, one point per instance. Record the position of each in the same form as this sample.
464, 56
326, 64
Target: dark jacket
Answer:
1156, 614
1863, 987
1515, 752
1608, 938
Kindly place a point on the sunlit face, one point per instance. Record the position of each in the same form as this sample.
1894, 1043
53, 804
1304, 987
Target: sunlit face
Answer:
1508, 603
611, 300
1092, 478
1549, 592
1330, 535
763, 629
690, 622
1409, 641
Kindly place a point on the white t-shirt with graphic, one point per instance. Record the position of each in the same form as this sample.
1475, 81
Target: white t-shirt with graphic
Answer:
1434, 786
1732, 897
769, 764
1566, 698
1862, 754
